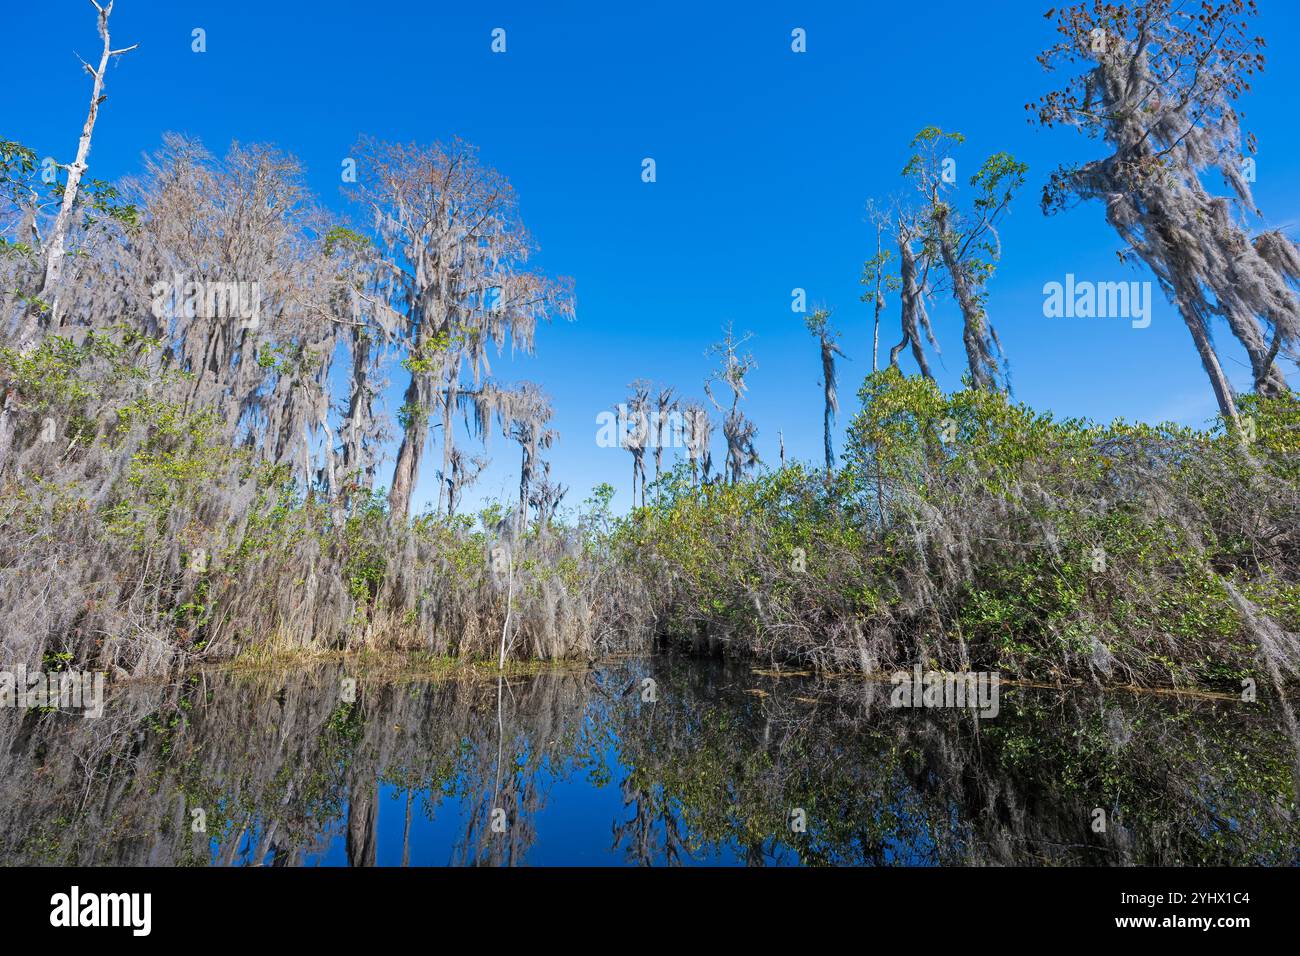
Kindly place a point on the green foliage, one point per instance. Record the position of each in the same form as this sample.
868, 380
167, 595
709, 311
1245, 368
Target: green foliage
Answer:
17, 162
54, 375
15, 157
974, 531
927, 143
432, 354
103, 199
345, 239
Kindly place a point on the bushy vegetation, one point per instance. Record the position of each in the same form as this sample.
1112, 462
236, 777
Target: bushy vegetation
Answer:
965, 530
138, 537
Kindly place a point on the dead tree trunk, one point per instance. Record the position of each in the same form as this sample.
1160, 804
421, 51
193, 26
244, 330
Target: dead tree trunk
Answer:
56, 251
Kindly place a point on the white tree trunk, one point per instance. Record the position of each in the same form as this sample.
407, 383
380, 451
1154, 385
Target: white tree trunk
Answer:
56, 252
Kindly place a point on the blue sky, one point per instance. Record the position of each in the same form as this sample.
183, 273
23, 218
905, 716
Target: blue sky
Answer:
764, 158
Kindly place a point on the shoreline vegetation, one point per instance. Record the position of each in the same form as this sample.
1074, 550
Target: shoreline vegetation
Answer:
414, 667
192, 435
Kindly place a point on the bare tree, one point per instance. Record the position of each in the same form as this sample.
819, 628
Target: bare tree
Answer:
524, 412
876, 277
464, 472
665, 406
636, 433
56, 248
818, 324
738, 431
546, 497
229, 263
698, 429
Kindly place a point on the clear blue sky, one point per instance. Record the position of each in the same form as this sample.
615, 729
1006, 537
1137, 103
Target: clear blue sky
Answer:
765, 158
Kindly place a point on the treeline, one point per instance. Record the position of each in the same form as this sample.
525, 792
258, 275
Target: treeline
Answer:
965, 531
191, 440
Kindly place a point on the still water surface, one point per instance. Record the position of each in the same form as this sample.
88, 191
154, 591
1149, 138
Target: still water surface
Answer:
578, 767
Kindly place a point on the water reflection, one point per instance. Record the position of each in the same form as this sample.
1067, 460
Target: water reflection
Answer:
583, 767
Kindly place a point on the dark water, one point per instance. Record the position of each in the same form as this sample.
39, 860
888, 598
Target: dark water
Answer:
721, 767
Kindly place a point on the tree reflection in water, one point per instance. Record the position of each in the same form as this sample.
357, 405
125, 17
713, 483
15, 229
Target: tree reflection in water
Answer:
583, 770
